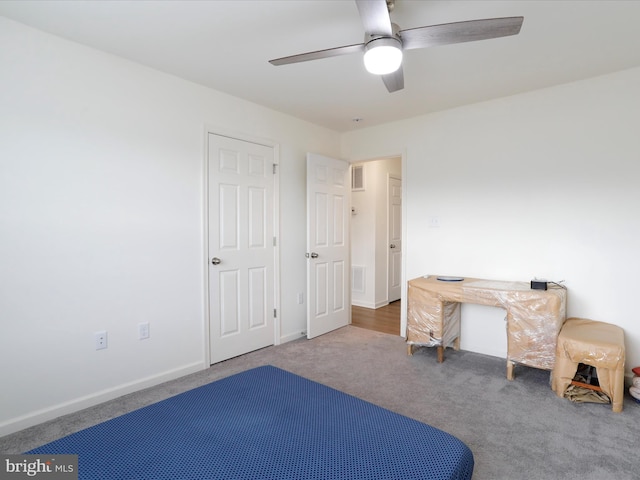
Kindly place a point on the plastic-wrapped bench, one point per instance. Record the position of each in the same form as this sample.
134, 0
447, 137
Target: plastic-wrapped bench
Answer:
594, 343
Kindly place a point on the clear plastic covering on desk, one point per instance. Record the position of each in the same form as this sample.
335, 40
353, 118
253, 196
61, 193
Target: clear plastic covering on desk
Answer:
431, 322
534, 317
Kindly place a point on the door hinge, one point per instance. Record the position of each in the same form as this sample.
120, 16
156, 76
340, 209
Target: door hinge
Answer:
275, 313
275, 242
275, 165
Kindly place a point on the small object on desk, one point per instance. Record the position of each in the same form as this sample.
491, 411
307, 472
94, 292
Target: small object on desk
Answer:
538, 284
450, 279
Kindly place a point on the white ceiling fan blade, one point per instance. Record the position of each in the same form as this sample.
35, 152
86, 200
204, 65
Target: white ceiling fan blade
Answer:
459, 32
330, 52
394, 81
375, 17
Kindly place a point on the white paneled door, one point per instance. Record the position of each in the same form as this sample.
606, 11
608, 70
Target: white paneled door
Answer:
241, 246
328, 264
394, 220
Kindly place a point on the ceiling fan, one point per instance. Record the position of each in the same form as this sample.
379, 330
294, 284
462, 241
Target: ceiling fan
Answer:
384, 42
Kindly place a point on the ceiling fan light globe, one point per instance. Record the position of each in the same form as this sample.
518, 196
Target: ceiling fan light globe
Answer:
383, 56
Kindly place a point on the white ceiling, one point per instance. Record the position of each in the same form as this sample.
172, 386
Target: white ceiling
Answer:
226, 45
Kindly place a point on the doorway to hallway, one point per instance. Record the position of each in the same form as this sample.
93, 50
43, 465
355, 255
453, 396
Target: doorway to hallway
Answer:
384, 319
376, 245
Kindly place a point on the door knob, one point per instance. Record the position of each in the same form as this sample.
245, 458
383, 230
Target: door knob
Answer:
313, 255
392, 245
215, 261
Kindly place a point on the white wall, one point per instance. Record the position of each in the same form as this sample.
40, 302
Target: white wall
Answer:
540, 184
363, 245
101, 221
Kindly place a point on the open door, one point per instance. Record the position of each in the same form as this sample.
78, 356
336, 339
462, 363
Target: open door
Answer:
328, 245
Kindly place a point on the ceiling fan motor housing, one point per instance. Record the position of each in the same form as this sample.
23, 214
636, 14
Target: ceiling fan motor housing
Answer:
383, 55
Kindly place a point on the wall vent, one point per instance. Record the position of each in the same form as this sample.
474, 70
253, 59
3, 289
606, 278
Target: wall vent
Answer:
357, 279
357, 177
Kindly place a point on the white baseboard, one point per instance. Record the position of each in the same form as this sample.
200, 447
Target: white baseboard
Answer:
357, 303
292, 336
29, 420
373, 306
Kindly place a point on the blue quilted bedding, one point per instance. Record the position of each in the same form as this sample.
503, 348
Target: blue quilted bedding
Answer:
264, 423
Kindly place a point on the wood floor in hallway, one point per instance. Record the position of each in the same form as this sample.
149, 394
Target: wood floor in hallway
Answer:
384, 319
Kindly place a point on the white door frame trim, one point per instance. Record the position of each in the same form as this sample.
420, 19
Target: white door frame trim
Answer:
399, 178
206, 344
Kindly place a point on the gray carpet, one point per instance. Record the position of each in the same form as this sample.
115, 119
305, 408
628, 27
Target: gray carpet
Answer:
516, 430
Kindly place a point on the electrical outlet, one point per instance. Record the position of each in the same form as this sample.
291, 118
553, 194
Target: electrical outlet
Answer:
143, 330
101, 340
300, 298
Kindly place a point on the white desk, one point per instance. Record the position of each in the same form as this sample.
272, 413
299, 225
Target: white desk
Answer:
534, 317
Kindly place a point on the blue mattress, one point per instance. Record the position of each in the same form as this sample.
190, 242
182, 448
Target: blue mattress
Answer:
264, 423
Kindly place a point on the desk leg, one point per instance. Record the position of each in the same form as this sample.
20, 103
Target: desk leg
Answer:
509, 370
440, 354
409, 349
456, 344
